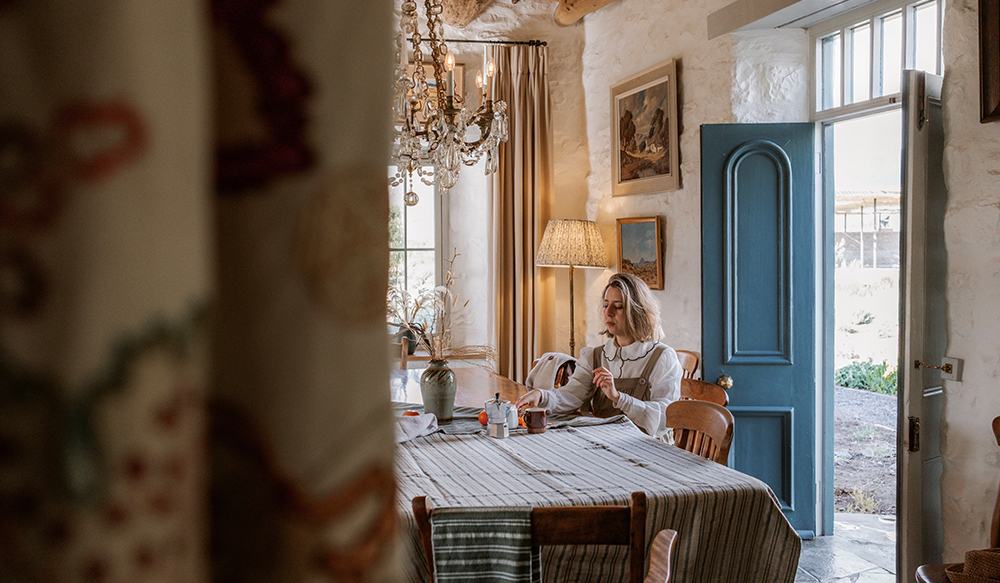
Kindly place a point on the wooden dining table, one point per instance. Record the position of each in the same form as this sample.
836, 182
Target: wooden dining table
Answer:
729, 526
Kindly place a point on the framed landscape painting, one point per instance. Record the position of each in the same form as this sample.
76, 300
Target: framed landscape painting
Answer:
644, 132
640, 249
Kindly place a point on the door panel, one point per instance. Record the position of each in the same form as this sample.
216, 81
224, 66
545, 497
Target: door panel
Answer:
758, 300
922, 331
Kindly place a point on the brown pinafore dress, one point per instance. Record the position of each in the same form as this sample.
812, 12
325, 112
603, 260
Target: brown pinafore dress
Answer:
637, 388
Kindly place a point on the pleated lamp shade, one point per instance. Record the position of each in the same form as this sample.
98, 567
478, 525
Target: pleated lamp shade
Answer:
572, 242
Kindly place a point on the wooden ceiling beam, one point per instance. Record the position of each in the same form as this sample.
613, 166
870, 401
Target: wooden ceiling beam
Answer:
458, 13
570, 11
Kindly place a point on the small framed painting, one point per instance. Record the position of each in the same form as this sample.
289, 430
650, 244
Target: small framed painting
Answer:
640, 249
644, 135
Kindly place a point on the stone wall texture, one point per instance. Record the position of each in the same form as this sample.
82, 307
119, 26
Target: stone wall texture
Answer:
972, 236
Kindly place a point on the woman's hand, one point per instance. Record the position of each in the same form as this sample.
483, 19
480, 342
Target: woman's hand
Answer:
530, 399
606, 382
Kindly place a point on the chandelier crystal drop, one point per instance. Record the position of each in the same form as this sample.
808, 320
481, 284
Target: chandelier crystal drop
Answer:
435, 133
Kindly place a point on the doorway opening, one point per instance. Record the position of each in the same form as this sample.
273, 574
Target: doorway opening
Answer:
866, 164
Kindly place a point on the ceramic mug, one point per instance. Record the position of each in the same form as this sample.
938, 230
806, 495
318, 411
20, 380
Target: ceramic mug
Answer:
536, 418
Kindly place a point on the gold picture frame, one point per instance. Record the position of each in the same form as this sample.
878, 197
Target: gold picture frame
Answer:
640, 249
644, 132
989, 60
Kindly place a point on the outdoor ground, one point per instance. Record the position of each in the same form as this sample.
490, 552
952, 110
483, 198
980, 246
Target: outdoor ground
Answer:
864, 448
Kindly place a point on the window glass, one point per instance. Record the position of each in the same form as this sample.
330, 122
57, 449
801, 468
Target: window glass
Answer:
892, 52
420, 270
420, 230
830, 86
396, 214
861, 62
412, 237
926, 50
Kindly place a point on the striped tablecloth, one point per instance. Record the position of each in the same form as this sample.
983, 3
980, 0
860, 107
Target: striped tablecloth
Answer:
730, 528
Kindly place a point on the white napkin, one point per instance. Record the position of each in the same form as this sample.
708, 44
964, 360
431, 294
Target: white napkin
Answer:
413, 426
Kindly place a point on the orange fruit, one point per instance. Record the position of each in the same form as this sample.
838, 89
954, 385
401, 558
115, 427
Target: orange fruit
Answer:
483, 417
520, 420
410, 413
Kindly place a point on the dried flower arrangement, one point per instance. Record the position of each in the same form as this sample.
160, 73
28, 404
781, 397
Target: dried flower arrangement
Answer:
434, 335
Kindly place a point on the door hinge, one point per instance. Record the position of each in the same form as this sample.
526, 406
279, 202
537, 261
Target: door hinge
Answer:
914, 444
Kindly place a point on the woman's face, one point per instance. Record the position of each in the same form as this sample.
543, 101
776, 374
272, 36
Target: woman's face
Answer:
614, 315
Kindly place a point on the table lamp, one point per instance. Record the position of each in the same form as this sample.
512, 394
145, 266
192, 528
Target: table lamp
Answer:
571, 243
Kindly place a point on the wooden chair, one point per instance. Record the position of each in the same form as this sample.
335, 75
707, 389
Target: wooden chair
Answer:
573, 525
660, 555
404, 353
702, 428
936, 573
563, 374
689, 362
704, 391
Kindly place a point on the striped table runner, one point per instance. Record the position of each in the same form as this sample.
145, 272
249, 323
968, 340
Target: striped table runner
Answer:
730, 528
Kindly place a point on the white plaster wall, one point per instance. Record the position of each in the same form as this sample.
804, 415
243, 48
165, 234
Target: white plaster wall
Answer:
972, 236
770, 74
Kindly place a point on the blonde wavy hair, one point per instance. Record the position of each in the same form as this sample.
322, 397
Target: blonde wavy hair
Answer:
642, 311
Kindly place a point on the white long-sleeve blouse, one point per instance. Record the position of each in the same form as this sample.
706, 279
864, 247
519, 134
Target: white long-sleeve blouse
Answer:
623, 362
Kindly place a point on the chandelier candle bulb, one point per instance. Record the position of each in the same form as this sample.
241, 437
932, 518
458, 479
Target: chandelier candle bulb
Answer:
479, 85
491, 85
449, 66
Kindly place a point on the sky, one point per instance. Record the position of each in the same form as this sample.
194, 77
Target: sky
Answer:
867, 152
639, 241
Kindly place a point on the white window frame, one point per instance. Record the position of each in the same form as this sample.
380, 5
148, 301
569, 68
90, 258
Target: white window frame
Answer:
843, 24
441, 229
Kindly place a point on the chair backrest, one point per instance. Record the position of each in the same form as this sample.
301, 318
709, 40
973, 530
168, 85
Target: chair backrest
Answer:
404, 343
562, 374
689, 362
571, 525
660, 555
702, 428
995, 526
704, 391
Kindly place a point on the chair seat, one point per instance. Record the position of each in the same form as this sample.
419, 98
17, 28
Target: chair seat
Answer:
932, 574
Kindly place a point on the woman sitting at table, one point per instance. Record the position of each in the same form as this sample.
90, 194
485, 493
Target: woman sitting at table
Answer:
630, 373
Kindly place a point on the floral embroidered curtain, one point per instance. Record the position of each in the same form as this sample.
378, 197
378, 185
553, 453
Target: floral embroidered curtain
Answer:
193, 264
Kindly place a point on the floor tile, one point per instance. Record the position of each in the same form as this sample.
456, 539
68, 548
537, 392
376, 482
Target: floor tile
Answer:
862, 549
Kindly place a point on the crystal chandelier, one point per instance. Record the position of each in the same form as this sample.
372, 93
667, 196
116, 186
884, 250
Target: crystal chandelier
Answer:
435, 133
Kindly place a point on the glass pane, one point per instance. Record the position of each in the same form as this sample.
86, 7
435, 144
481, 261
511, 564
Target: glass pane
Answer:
867, 152
420, 221
397, 267
420, 270
926, 42
396, 213
892, 53
861, 62
830, 86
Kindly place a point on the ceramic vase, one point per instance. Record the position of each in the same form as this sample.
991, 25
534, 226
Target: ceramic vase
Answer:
437, 388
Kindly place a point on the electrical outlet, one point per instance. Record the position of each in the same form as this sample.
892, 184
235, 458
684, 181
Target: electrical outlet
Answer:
956, 369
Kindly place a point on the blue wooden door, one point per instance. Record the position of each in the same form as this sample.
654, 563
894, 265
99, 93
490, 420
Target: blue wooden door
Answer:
758, 301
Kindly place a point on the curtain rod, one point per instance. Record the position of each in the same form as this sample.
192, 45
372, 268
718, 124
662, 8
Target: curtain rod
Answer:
533, 43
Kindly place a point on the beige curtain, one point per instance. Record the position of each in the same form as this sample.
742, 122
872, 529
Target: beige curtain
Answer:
522, 192
193, 263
